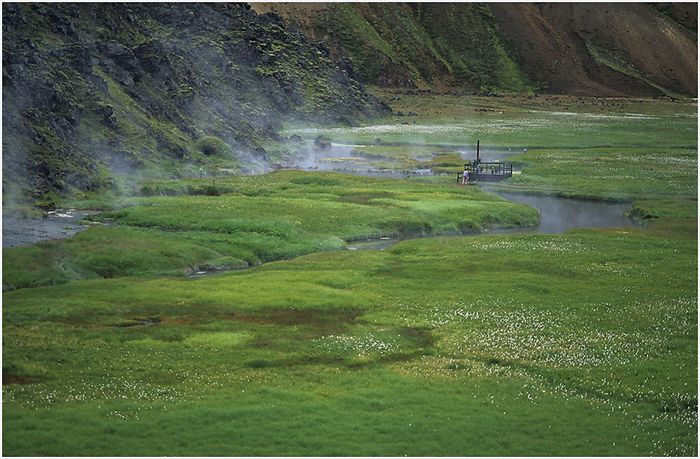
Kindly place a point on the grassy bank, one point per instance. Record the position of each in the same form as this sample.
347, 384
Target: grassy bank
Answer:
609, 173
250, 220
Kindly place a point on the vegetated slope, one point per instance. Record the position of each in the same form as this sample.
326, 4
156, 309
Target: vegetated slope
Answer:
90, 90
572, 48
411, 44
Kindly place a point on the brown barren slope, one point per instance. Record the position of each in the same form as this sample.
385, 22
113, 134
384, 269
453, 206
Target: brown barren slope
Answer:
595, 49
551, 39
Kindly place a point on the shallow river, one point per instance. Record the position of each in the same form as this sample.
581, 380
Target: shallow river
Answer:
560, 214
58, 224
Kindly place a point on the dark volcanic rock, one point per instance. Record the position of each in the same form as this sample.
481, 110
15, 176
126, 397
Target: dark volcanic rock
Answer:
85, 83
322, 143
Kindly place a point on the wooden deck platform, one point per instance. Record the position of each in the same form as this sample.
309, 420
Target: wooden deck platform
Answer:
484, 171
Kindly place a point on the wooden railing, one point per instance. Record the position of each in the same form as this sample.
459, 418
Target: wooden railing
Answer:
484, 170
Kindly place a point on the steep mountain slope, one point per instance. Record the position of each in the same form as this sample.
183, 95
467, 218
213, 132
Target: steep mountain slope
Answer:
411, 44
566, 48
96, 91
601, 48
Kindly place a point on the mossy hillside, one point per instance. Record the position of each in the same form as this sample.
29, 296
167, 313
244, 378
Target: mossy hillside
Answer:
210, 145
445, 340
361, 42
415, 45
243, 221
40, 159
509, 48
411, 47
95, 93
481, 57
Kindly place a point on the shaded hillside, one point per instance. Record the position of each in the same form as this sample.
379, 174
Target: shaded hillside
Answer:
565, 48
92, 91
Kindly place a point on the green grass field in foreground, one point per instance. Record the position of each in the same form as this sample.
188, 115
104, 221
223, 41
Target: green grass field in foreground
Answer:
576, 344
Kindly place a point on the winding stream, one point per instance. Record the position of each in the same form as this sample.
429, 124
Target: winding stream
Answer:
557, 214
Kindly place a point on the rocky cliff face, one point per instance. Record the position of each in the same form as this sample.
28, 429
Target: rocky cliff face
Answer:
593, 49
92, 91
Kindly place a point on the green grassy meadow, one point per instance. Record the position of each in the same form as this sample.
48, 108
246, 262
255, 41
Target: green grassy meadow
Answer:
582, 343
549, 122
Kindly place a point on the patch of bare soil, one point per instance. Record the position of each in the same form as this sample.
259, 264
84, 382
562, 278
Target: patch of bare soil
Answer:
139, 322
325, 320
10, 378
